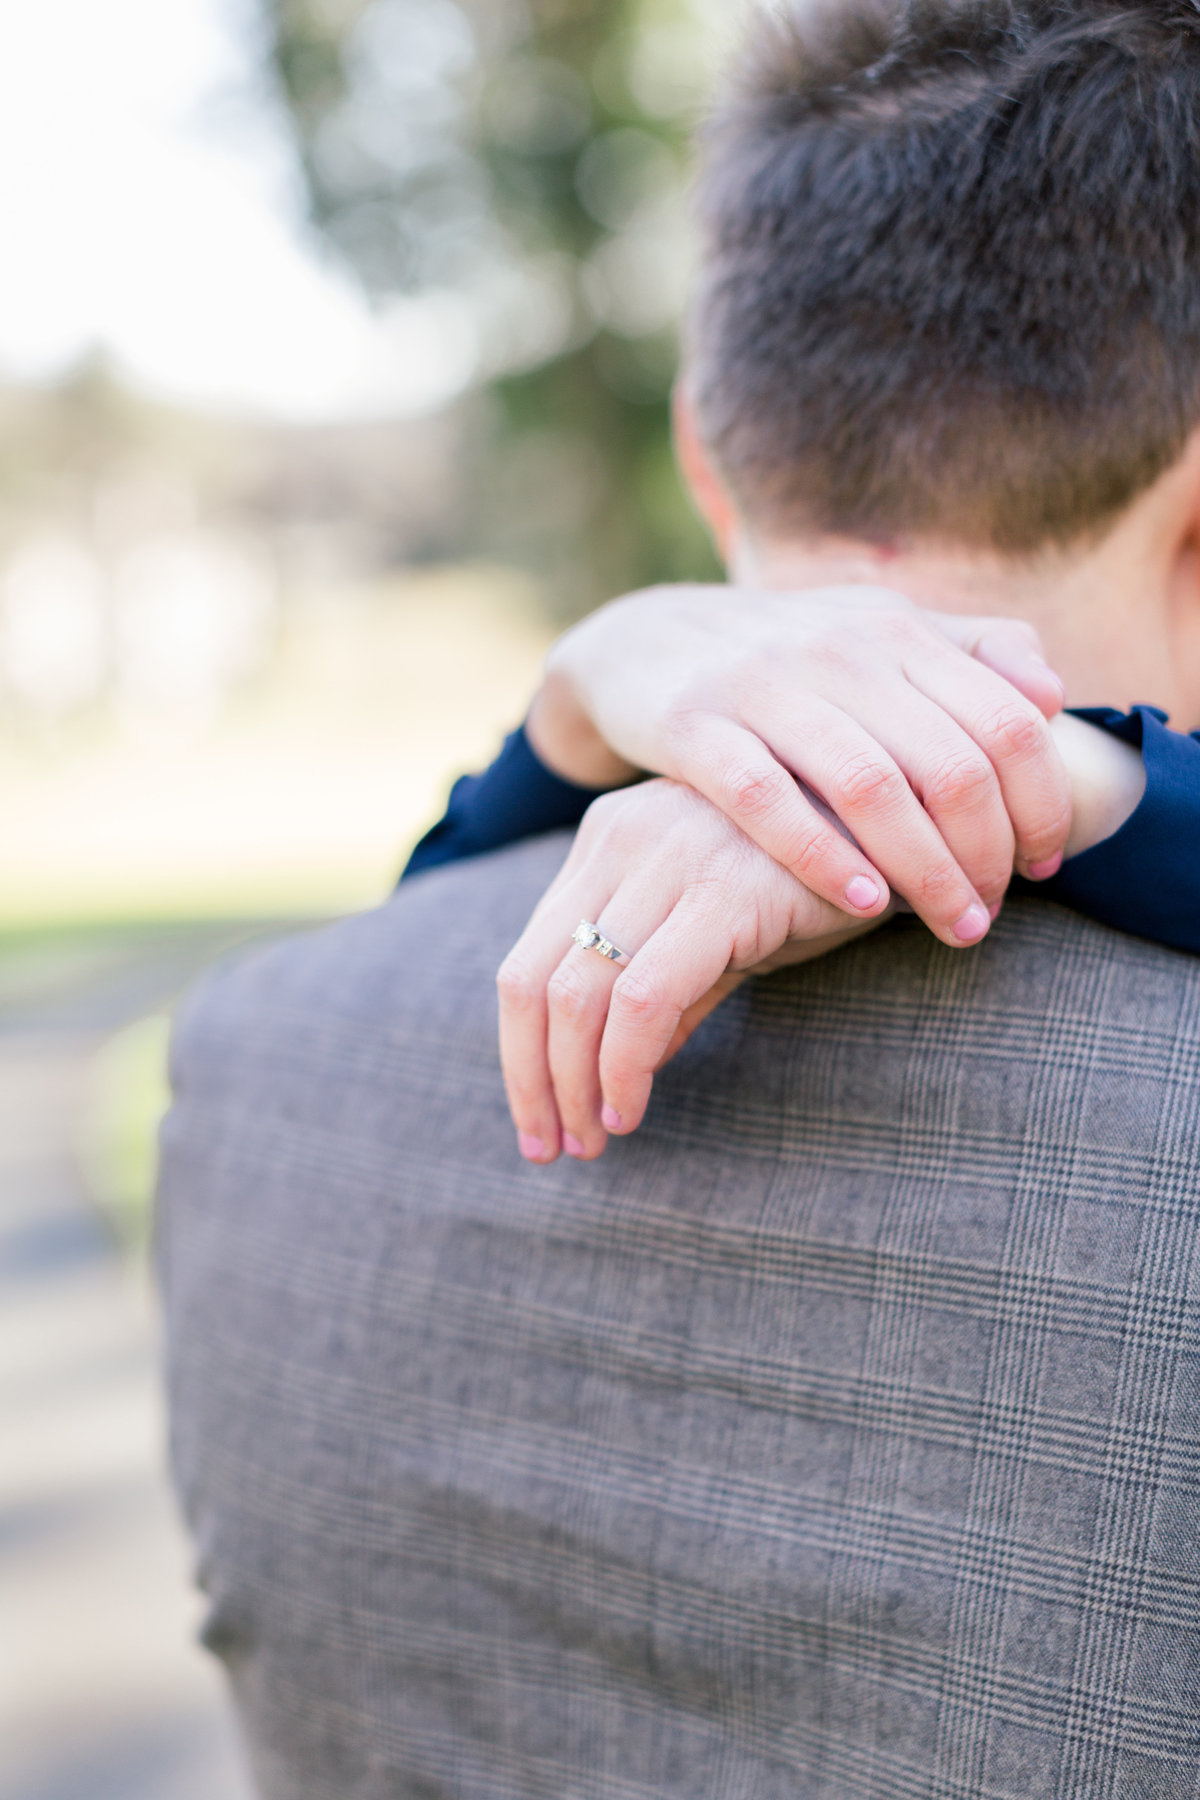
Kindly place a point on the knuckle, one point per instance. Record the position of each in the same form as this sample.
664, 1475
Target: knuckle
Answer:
938, 889
602, 815
639, 997
621, 1072
959, 783
622, 823
863, 784
993, 872
1047, 834
836, 650
1014, 732
527, 1099
516, 986
901, 626
747, 943
754, 792
809, 853
571, 997
900, 630
681, 725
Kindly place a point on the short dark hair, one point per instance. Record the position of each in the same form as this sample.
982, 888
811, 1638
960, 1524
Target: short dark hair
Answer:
952, 279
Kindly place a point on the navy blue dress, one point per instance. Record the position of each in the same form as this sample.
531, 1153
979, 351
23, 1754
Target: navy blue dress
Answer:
1145, 879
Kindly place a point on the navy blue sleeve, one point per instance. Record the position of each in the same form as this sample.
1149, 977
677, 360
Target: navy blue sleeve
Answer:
1145, 879
517, 797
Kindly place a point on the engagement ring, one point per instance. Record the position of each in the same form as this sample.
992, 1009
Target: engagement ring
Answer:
590, 937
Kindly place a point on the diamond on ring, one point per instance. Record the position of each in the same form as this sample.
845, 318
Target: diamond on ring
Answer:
590, 937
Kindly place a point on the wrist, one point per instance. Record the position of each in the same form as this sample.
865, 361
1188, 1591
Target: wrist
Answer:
1108, 780
563, 737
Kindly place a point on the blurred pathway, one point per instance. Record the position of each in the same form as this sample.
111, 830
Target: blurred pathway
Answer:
103, 1695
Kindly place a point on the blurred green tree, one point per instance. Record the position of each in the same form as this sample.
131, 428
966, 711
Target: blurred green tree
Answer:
524, 160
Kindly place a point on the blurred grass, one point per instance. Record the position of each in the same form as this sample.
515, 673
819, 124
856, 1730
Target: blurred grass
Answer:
136, 851
65, 988
305, 794
127, 1098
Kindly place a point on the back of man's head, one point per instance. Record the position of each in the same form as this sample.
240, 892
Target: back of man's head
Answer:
952, 281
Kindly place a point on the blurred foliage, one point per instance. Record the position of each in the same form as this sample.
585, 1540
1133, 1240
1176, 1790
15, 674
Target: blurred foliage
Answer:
526, 160
128, 1095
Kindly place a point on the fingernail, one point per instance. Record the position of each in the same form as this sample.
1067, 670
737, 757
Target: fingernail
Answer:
1044, 870
994, 911
972, 926
531, 1148
610, 1118
862, 893
572, 1145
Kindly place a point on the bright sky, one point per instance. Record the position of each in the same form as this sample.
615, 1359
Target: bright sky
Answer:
143, 214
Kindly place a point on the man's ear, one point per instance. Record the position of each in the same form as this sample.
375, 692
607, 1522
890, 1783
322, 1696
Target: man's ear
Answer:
1172, 511
1186, 479
708, 492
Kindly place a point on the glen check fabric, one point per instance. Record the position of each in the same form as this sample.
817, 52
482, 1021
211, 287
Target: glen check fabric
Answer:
834, 1438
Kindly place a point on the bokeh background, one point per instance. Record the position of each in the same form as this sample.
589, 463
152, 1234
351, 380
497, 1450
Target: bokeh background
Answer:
336, 339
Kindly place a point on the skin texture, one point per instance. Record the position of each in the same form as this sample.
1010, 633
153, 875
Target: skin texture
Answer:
938, 768
1120, 622
698, 905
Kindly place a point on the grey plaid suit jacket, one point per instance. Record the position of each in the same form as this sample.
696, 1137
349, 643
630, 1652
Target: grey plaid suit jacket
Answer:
834, 1437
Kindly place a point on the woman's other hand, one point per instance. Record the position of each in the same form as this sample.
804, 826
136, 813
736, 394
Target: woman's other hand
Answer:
925, 734
695, 905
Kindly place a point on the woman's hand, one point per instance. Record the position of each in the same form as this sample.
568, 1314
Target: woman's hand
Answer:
925, 734
695, 905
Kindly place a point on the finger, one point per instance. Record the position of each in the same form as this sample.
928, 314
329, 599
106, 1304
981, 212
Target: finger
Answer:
863, 784
521, 984
524, 1016
1012, 649
695, 1015
1017, 742
675, 969
956, 784
578, 998
735, 769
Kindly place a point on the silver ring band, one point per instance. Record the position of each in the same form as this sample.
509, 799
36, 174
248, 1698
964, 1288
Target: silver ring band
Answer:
590, 937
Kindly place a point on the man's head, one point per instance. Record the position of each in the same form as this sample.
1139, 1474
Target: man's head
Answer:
952, 279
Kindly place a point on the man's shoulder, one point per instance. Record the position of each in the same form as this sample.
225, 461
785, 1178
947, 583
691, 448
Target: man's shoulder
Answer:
419, 971
425, 959
431, 925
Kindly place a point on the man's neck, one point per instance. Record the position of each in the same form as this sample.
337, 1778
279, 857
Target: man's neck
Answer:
1119, 620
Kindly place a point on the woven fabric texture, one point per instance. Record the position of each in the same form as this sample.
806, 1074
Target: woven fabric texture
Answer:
833, 1438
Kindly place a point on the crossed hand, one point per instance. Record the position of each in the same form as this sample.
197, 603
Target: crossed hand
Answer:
817, 755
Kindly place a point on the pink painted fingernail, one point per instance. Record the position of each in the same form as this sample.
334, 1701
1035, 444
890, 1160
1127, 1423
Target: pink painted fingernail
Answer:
531, 1148
572, 1145
862, 893
972, 926
610, 1118
1044, 870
